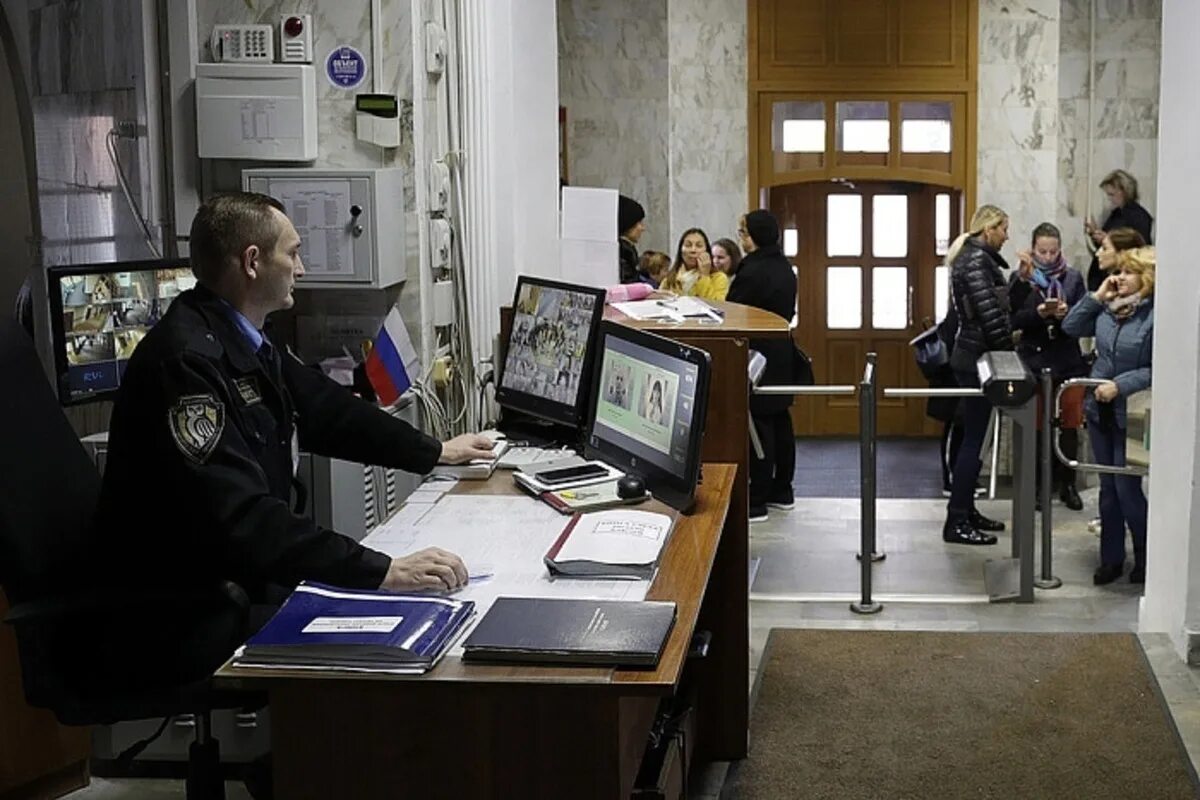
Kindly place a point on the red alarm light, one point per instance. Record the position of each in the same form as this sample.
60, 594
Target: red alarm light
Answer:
294, 26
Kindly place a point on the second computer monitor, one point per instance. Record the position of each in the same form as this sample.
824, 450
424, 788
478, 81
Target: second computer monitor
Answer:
648, 409
548, 364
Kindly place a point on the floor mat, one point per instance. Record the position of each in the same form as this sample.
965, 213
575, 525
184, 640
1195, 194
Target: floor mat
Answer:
903, 468
854, 715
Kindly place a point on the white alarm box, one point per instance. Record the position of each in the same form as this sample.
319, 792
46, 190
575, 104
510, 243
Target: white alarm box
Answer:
265, 112
350, 221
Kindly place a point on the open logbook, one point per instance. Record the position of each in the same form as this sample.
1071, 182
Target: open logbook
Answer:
610, 544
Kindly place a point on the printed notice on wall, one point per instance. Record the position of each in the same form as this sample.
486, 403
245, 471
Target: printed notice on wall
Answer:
321, 213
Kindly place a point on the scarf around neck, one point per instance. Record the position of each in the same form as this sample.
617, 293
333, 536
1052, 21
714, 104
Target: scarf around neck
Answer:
1124, 307
1048, 277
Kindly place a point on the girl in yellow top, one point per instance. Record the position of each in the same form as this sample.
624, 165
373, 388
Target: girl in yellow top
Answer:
693, 272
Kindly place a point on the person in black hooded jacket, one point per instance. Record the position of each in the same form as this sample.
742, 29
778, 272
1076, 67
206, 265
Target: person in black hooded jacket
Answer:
980, 299
765, 280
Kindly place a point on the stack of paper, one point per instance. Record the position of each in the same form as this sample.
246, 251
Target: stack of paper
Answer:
324, 628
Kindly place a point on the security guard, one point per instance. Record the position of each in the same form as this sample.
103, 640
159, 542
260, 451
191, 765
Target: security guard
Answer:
205, 432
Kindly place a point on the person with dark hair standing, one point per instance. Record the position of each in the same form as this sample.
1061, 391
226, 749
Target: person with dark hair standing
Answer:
1121, 189
1041, 292
765, 280
630, 227
980, 301
693, 272
207, 426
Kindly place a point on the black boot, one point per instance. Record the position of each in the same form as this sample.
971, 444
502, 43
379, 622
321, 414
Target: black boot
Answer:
960, 531
1107, 573
1070, 497
982, 523
1137, 574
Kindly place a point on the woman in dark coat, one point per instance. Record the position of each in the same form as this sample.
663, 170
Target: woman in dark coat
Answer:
1041, 292
1121, 189
980, 299
765, 280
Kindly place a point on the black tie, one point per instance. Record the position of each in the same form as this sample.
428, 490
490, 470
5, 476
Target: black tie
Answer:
269, 357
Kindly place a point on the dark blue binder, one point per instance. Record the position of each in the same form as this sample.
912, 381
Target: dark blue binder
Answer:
559, 630
325, 627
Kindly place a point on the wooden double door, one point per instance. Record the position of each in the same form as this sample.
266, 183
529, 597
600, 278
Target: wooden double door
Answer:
868, 257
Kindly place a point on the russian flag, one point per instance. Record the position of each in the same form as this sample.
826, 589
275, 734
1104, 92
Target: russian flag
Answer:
392, 360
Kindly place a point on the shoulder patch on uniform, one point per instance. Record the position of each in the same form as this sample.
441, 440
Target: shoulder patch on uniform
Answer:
247, 389
196, 422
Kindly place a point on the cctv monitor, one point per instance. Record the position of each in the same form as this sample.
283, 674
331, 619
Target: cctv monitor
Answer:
648, 407
99, 313
548, 363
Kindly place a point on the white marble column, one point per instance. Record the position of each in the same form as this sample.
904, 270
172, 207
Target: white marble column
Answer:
708, 125
613, 84
1018, 113
1124, 108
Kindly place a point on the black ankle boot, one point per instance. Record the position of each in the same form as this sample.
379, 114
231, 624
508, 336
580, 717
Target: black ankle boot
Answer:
1070, 497
1107, 573
980, 522
960, 531
1137, 575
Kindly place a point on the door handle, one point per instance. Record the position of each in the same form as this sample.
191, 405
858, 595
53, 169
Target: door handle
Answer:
910, 306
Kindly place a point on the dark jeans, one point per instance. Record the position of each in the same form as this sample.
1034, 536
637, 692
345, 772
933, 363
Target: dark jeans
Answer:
1122, 501
975, 412
771, 476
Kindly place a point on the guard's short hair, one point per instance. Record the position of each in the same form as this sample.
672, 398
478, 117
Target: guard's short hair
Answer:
225, 226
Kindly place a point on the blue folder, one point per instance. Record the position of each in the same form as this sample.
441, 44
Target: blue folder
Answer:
323, 627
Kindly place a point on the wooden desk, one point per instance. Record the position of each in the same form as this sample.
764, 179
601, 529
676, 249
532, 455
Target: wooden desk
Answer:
469, 730
724, 727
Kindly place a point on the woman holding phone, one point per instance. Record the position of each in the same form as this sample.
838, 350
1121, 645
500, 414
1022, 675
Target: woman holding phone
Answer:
1041, 292
1120, 314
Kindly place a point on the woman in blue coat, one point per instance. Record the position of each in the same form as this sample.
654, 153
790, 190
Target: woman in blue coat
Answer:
1120, 314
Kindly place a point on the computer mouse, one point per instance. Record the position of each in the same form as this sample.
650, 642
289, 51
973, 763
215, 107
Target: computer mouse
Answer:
630, 486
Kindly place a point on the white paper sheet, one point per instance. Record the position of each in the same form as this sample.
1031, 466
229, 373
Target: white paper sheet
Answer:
589, 214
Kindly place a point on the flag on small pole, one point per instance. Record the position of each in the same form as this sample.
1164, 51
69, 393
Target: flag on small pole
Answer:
392, 361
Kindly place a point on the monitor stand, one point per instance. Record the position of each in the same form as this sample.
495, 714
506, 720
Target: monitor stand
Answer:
539, 433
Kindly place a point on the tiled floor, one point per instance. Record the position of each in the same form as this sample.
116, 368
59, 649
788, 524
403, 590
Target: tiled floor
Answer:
808, 575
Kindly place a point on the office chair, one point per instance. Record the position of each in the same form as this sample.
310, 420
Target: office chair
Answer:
74, 634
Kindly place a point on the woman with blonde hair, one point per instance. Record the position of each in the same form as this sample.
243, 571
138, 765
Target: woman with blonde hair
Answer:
1120, 314
1121, 190
693, 272
980, 301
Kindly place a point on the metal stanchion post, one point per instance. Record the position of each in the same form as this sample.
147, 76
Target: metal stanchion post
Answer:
866, 435
1049, 417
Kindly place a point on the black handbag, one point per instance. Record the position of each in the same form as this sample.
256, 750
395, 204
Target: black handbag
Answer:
931, 353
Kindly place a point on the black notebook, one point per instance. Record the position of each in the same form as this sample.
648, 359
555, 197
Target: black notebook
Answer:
570, 631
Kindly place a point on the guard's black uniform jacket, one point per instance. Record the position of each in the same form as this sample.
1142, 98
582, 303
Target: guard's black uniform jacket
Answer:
200, 460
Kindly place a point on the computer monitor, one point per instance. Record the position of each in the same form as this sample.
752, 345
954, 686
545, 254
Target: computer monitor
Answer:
99, 313
548, 364
648, 410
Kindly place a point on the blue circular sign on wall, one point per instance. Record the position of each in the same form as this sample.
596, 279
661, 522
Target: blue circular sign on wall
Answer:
345, 67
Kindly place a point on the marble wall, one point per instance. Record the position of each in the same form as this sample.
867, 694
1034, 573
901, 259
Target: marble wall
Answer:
708, 122
1018, 139
612, 80
1124, 111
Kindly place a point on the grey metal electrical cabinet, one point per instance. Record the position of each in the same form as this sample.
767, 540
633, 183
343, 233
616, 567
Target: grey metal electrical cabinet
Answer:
350, 221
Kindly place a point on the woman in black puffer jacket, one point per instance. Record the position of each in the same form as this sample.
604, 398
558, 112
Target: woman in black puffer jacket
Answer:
980, 297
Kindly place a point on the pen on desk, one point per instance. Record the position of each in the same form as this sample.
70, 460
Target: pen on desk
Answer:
482, 576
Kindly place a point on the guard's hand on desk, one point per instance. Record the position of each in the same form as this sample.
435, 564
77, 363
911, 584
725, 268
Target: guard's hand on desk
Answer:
467, 447
431, 568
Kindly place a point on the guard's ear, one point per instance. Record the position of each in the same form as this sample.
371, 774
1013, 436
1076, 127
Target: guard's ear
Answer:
249, 262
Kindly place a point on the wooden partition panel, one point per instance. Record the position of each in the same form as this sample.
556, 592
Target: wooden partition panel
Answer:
38, 757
